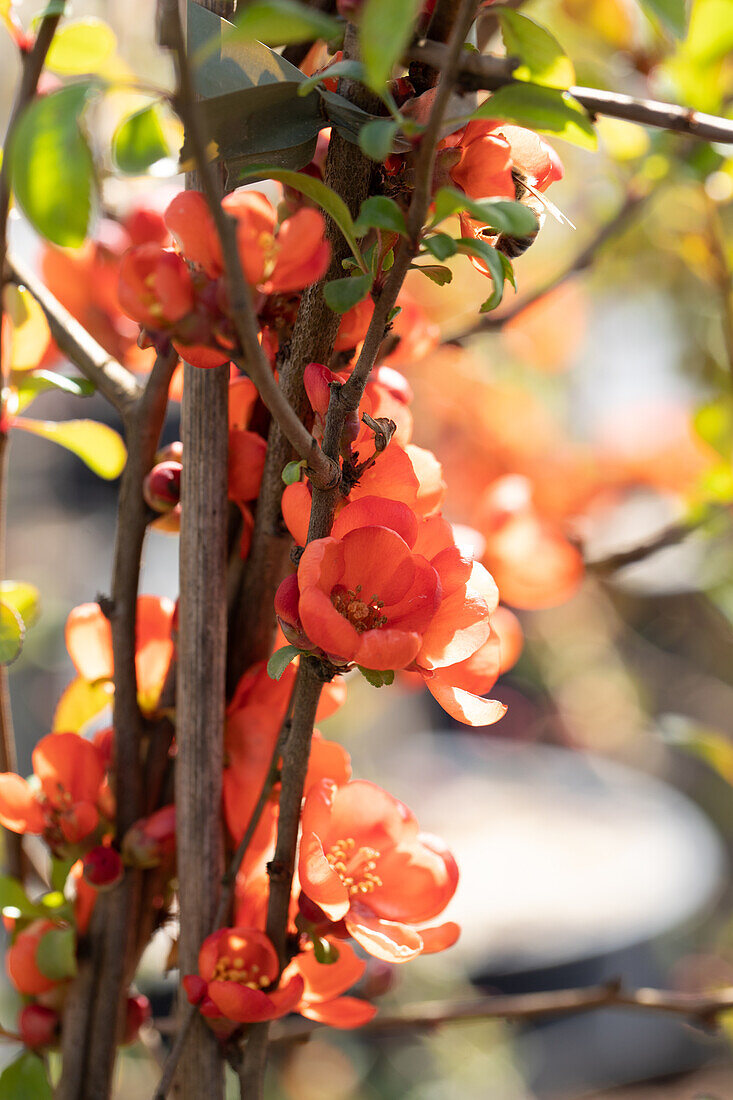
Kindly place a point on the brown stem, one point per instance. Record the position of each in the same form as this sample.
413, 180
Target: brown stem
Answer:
625, 215
480, 71
241, 308
91, 1027
349, 173
112, 380
12, 842
702, 1009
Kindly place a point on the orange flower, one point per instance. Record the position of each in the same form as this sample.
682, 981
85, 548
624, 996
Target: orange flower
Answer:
276, 262
62, 802
246, 464
89, 642
362, 860
533, 562
490, 149
155, 286
325, 982
236, 966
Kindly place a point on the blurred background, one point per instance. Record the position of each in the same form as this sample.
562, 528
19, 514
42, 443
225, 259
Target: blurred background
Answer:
593, 824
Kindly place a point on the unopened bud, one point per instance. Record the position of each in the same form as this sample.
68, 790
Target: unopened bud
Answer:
172, 452
103, 867
38, 1026
152, 839
137, 1013
162, 486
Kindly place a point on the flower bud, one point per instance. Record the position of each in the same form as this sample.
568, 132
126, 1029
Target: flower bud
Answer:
152, 839
162, 486
38, 1026
103, 867
137, 1013
172, 452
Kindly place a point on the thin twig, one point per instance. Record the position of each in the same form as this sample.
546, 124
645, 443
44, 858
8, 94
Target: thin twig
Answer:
113, 381
702, 1009
241, 308
481, 71
626, 213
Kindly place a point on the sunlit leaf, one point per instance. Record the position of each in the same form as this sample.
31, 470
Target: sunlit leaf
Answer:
25, 1079
385, 29
282, 22
41, 380
80, 703
545, 109
12, 633
26, 329
99, 446
488, 256
543, 58
437, 273
139, 142
23, 597
80, 47
503, 215
672, 14
51, 166
377, 677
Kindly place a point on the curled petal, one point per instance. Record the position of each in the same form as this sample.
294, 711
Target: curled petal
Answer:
377, 512
383, 939
318, 879
342, 1012
89, 642
470, 709
440, 937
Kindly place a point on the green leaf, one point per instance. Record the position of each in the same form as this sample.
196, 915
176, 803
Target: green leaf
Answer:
25, 1079
435, 272
385, 28
139, 142
283, 22
280, 660
377, 677
342, 294
379, 212
60, 872
544, 60
714, 424
12, 633
23, 598
376, 137
13, 896
483, 251
291, 473
509, 275
512, 218
327, 199
671, 13
440, 245
52, 170
354, 70
56, 954
326, 953
38, 381
545, 109
100, 447
82, 46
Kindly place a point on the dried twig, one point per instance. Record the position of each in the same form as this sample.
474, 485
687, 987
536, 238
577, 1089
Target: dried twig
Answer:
481, 71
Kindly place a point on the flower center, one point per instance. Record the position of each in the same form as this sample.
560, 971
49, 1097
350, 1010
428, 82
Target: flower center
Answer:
234, 970
355, 866
362, 614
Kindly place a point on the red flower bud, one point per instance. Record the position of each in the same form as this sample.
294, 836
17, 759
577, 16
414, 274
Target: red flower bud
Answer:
173, 452
137, 1013
103, 867
162, 486
151, 839
38, 1026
